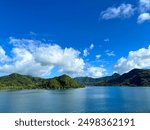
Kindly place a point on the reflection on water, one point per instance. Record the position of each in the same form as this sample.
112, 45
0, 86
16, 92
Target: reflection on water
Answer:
90, 99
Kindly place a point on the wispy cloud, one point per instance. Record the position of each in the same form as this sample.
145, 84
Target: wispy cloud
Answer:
107, 40
128, 10
98, 57
32, 33
91, 46
110, 53
122, 11
86, 50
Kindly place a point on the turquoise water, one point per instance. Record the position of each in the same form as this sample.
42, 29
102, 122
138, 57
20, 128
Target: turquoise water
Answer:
89, 99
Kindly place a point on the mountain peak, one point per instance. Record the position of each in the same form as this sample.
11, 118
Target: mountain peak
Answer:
15, 74
65, 75
135, 77
116, 75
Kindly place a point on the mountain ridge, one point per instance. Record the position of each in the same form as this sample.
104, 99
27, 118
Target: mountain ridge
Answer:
135, 77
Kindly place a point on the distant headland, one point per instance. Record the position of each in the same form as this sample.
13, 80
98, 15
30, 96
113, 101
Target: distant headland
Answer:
135, 77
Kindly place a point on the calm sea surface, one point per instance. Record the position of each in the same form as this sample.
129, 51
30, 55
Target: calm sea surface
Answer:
89, 99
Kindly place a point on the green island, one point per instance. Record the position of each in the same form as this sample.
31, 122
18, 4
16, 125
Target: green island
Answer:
136, 77
17, 81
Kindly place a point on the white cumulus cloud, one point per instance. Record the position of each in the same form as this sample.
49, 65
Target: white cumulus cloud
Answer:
3, 56
124, 10
23, 62
136, 59
143, 17
35, 58
96, 72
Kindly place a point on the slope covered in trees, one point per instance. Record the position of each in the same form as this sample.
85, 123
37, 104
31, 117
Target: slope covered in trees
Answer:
17, 81
136, 77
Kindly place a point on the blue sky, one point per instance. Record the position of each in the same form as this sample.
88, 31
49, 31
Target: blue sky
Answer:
77, 37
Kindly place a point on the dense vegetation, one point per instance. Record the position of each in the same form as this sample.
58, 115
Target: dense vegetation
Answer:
136, 77
62, 82
17, 81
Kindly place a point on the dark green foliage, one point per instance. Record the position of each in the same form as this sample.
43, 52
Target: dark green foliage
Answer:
51, 84
96, 81
62, 82
136, 77
17, 81
66, 82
